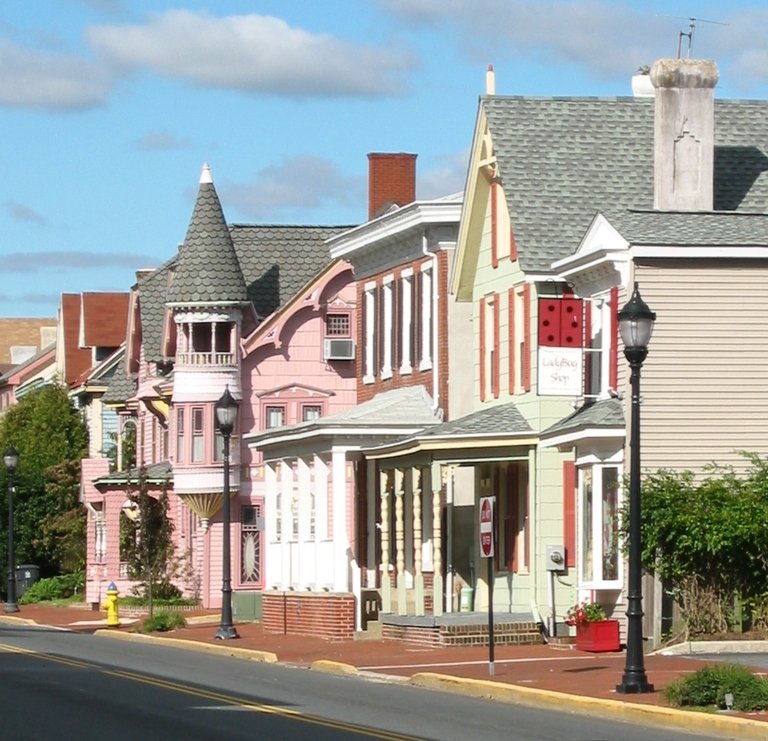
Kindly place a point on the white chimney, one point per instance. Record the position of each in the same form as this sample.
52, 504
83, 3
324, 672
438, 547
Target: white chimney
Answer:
684, 147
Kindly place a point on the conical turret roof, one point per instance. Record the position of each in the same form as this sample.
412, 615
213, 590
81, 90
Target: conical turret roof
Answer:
208, 270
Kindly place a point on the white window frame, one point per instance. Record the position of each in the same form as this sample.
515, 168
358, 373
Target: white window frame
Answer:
389, 317
600, 326
593, 578
370, 331
425, 361
406, 320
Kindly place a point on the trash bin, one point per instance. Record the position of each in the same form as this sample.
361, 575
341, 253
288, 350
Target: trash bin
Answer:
26, 576
465, 601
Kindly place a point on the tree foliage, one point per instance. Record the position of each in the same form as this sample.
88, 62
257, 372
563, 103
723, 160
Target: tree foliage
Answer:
51, 438
146, 540
707, 539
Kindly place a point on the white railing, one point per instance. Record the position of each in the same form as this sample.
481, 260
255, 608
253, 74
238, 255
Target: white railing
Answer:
205, 358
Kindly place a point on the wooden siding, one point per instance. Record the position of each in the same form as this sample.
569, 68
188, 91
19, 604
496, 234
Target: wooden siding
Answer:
705, 382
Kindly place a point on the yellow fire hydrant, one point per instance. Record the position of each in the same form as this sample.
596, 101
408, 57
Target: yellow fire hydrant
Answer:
113, 619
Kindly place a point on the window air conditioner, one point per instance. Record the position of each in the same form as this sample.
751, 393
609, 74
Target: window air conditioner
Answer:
339, 348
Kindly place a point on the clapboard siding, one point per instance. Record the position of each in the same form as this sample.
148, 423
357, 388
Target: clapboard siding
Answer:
705, 381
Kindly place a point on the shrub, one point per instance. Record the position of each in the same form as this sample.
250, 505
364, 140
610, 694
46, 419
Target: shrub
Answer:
53, 588
162, 622
708, 686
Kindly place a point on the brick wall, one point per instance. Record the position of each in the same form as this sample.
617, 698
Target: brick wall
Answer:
324, 615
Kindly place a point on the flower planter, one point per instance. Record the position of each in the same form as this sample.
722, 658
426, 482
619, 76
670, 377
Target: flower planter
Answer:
598, 636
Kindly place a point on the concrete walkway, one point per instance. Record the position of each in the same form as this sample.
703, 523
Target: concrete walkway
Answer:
543, 676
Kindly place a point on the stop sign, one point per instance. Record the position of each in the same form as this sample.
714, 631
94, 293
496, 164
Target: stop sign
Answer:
486, 526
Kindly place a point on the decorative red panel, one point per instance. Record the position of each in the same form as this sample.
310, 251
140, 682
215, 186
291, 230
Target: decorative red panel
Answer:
570, 322
550, 323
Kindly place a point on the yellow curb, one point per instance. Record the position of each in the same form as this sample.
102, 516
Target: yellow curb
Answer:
333, 667
711, 723
224, 649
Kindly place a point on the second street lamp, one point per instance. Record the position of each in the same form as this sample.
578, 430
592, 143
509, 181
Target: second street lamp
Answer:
11, 458
635, 326
226, 415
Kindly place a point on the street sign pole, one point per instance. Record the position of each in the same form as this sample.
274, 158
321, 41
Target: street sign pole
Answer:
487, 516
491, 666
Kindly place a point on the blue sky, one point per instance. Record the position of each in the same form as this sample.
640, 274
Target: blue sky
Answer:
109, 108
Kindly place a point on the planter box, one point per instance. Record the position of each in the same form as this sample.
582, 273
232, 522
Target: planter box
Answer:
599, 636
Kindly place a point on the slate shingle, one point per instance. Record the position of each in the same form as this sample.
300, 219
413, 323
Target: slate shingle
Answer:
563, 160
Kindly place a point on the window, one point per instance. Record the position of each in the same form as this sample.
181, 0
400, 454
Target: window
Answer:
100, 527
218, 444
201, 338
310, 412
223, 336
274, 416
338, 325
250, 544
198, 435
600, 501
601, 327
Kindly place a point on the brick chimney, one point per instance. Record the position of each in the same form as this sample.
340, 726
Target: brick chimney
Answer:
684, 147
391, 180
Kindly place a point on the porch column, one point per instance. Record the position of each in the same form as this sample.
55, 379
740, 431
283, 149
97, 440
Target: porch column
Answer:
386, 590
306, 573
343, 563
437, 540
418, 576
400, 541
285, 527
271, 548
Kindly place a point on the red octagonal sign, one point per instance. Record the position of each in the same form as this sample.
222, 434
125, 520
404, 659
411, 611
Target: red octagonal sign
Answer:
486, 526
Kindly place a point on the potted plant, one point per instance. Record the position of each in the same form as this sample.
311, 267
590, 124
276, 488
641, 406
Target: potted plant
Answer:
593, 631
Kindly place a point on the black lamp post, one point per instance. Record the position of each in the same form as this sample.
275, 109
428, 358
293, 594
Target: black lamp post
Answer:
635, 326
11, 458
226, 414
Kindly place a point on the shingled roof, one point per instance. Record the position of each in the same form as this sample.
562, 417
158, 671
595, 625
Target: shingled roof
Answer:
208, 270
563, 160
277, 261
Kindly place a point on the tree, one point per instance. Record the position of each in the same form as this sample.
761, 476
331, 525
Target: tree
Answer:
51, 438
146, 540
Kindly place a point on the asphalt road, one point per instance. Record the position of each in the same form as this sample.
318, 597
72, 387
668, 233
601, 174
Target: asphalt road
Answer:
59, 685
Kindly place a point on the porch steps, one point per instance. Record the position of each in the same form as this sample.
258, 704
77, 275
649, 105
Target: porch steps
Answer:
461, 629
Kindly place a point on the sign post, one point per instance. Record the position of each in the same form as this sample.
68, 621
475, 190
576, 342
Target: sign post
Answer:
487, 512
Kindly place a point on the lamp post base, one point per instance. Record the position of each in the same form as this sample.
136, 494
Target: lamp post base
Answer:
634, 685
11, 607
226, 632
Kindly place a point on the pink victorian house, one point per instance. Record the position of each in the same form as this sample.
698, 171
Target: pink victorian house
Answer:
251, 309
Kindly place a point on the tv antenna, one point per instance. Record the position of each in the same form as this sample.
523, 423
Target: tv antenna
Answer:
689, 33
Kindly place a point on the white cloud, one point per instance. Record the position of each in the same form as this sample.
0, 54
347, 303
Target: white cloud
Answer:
159, 140
604, 38
445, 178
35, 262
251, 53
299, 184
36, 79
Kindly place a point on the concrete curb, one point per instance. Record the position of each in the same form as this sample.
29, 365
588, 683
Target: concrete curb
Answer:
690, 721
17, 620
332, 667
691, 648
224, 649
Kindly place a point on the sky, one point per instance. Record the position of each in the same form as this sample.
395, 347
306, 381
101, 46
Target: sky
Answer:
110, 108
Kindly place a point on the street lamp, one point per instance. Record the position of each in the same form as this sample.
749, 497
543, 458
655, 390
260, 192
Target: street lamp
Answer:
635, 326
11, 458
226, 414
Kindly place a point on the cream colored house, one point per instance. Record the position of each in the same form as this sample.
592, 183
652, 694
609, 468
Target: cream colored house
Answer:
568, 202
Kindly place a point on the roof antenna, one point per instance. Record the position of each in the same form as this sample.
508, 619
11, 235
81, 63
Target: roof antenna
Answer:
689, 33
